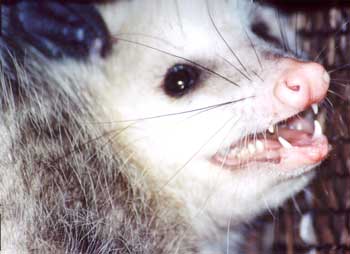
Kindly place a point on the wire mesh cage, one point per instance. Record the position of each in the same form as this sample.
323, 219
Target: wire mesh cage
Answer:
318, 219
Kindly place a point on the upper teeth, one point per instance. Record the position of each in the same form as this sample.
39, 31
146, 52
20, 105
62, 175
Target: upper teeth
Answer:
317, 133
259, 146
252, 148
315, 108
284, 143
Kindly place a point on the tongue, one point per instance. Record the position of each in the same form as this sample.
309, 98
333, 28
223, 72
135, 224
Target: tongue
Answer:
298, 130
300, 156
302, 123
305, 150
295, 137
296, 143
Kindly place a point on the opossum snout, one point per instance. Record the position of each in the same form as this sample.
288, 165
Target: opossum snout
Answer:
301, 84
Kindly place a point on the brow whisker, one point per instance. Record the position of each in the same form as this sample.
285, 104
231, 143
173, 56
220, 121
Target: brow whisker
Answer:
223, 39
179, 57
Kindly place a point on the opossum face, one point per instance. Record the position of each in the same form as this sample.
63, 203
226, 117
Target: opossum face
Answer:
192, 93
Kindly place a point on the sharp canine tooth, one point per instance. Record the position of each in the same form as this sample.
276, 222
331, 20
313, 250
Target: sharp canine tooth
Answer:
317, 129
284, 143
271, 129
259, 146
315, 108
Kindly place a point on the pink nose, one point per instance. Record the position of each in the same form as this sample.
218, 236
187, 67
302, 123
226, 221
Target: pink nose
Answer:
301, 84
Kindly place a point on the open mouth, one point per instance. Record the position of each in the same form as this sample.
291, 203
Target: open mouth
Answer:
295, 142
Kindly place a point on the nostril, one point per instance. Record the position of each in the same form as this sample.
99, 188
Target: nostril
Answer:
292, 86
293, 92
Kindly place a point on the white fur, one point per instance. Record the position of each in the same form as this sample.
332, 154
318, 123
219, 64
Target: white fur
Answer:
175, 150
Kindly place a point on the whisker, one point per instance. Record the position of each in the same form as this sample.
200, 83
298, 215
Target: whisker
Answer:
232, 65
320, 60
269, 209
339, 68
296, 34
212, 192
259, 77
223, 140
337, 94
204, 110
179, 57
194, 154
254, 48
228, 235
335, 36
162, 40
178, 113
296, 206
223, 39
329, 102
285, 46
339, 79
328, 109
339, 83
81, 146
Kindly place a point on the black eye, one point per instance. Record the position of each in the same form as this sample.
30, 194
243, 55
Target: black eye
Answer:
180, 79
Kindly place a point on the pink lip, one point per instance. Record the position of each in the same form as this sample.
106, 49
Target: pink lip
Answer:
303, 150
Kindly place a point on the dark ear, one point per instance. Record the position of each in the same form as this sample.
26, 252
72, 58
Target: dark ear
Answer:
56, 28
271, 25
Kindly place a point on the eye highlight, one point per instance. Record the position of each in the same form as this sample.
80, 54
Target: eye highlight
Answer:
180, 79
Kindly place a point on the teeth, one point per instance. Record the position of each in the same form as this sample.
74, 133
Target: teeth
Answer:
244, 153
234, 152
259, 146
318, 129
315, 108
271, 129
299, 127
251, 149
284, 143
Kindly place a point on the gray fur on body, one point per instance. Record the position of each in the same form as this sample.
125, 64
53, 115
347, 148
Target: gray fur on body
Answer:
63, 188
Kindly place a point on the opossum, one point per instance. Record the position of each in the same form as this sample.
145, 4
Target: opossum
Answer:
184, 123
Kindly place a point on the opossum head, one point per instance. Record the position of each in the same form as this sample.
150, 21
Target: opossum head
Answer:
190, 93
